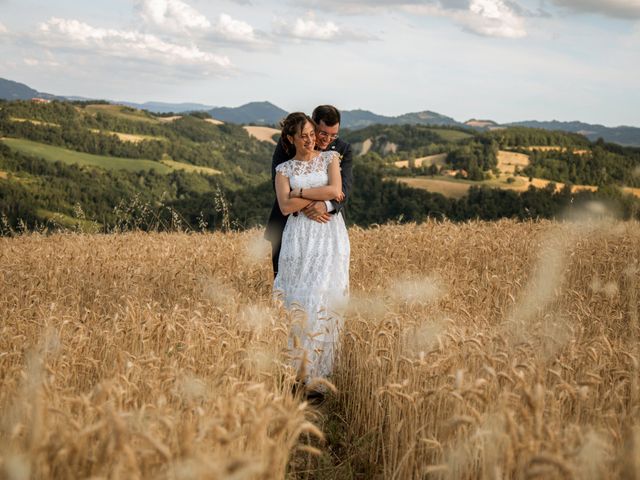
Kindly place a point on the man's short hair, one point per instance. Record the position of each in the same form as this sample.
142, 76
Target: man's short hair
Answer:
327, 114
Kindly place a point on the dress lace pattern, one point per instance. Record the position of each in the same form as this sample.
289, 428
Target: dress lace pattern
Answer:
313, 272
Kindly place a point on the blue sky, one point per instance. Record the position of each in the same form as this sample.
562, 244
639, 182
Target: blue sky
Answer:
505, 60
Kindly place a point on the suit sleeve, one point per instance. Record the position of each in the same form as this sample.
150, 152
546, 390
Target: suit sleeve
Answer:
346, 166
279, 155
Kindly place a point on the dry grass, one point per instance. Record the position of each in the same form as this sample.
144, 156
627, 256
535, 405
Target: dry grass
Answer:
35, 122
508, 161
451, 188
169, 119
520, 361
190, 168
476, 350
142, 356
438, 159
128, 137
548, 148
264, 134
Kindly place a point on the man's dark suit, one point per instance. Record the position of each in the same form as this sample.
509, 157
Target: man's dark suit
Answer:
277, 221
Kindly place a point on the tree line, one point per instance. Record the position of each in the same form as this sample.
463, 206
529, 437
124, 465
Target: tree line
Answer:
150, 201
32, 188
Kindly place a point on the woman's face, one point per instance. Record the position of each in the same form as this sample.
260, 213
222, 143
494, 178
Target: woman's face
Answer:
305, 140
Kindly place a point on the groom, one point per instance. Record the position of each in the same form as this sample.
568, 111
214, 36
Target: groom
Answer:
327, 118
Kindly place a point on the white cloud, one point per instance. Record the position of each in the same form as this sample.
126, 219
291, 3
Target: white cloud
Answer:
3, 29
234, 30
310, 29
494, 18
172, 15
490, 18
76, 35
176, 16
356, 7
40, 62
627, 9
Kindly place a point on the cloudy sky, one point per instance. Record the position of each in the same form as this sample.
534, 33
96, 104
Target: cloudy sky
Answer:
505, 60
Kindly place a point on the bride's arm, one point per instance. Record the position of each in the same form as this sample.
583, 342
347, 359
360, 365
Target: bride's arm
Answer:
288, 205
333, 191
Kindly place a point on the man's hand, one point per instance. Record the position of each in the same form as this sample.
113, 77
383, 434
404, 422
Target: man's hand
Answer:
317, 211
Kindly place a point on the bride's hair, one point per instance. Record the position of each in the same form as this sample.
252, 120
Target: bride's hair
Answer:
292, 124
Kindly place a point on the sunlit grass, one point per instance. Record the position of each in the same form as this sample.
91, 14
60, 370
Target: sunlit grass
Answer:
469, 349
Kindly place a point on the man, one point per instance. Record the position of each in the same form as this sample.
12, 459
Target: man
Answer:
327, 119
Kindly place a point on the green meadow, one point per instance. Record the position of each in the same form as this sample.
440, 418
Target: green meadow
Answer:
121, 111
451, 135
71, 157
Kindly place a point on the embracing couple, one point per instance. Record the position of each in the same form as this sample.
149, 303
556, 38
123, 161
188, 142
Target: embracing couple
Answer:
311, 171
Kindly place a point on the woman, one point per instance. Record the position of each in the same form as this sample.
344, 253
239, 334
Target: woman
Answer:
313, 269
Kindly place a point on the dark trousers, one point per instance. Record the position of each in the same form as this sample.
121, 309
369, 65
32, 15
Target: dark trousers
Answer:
275, 256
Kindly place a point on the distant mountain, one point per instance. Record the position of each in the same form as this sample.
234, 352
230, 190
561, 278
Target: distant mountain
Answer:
476, 123
259, 113
266, 113
356, 119
162, 107
622, 135
10, 90
425, 118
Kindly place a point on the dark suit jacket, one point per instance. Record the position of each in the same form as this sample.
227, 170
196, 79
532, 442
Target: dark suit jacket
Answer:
277, 221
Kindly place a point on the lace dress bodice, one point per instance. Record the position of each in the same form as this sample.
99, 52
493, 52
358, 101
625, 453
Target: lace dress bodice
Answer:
308, 173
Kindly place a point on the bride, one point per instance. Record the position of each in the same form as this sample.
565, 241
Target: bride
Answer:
313, 268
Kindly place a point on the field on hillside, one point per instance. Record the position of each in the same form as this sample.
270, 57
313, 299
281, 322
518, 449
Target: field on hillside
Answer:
125, 113
452, 135
438, 159
447, 186
58, 154
264, 134
190, 168
507, 163
70, 157
474, 350
129, 137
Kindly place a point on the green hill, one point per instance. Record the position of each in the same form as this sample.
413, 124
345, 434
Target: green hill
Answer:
90, 165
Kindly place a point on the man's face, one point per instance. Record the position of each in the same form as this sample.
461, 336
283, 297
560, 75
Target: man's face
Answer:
326, 134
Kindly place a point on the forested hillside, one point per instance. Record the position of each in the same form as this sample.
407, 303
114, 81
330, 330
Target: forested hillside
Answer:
103, 167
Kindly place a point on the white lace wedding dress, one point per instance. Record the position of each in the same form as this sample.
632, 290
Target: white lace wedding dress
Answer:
313, 272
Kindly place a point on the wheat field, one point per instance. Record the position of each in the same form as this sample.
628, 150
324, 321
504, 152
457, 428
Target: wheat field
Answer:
476, 350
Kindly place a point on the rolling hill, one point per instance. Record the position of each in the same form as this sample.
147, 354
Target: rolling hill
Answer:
124, 166
259, 113
623, 135
266, 113
10, 90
